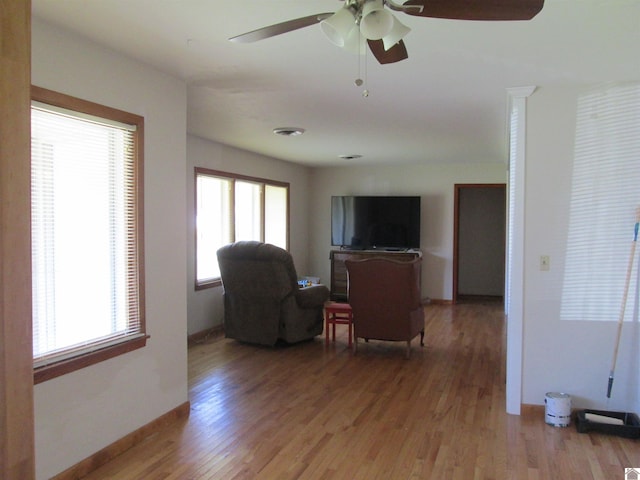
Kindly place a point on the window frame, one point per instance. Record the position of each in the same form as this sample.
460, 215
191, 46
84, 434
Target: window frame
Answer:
85, 359
233, 177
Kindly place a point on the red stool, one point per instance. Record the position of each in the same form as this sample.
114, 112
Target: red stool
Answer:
340, 314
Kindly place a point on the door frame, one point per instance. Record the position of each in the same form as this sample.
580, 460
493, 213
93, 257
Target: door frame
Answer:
458, 187
17, 437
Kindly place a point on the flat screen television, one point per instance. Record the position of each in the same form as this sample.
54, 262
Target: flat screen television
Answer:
375, 222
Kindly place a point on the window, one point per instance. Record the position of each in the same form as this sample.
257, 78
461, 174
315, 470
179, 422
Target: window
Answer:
86, 209
604, 199
232, 207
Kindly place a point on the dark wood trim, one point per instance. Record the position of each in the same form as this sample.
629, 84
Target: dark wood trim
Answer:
75, 104
288, 234
140, 259
237, 176
263, 209
216, 282
456, 225
47, 372
208, 284
530, 410
118, 447
17, 457
440, 301
199, 337
232, 217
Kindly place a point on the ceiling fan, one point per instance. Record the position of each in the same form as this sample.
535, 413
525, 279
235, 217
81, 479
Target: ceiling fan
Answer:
360, 21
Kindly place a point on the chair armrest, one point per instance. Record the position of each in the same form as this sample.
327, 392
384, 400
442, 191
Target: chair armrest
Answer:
310, 297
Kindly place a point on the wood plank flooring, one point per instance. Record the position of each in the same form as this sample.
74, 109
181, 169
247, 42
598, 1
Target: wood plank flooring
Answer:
313, 412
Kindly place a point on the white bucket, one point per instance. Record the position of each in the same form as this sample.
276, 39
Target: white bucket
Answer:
557, 409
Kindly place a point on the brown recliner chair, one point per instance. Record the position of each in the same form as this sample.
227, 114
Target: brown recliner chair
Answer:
384, 295
262, 300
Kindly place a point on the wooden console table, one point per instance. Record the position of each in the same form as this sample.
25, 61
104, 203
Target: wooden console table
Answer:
339, 270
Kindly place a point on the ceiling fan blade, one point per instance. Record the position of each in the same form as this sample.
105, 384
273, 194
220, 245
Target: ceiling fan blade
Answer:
279, 28
395, 54
477, 9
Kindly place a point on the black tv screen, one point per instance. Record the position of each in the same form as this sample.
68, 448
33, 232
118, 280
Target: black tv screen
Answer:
370, 222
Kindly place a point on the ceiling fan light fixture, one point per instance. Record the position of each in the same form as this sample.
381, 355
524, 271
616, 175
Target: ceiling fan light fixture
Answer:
355, 42
397, 33
376, 21
337, 26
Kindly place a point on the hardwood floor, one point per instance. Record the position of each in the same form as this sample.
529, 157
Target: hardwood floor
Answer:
313, 412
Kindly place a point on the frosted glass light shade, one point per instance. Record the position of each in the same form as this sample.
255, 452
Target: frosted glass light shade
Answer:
355, 42
397, 33
376, 22
338, 26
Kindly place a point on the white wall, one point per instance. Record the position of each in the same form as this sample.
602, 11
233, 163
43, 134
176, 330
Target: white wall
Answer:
434, 183
81, 412
205, 306
561, 355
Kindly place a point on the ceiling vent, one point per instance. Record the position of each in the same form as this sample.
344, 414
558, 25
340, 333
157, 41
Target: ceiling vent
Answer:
288, 131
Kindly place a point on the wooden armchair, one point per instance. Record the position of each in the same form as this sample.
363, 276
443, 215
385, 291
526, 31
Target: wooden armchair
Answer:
384, 295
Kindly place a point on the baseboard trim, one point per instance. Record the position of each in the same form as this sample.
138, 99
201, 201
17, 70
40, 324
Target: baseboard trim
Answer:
198, 337
440, 301
531, 410
118, 447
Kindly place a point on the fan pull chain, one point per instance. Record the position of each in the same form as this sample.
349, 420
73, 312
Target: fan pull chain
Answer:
359, 82
365, 92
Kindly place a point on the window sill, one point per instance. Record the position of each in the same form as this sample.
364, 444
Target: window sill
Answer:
47, 372
208, 284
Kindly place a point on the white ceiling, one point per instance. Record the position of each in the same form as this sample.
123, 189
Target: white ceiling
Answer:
445, 103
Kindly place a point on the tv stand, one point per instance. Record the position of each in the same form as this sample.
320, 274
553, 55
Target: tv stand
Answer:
339, 270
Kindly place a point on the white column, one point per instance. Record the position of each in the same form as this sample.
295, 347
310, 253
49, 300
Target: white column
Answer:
514, 298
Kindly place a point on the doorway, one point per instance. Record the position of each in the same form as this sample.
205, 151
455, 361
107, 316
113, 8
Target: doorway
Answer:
479, 243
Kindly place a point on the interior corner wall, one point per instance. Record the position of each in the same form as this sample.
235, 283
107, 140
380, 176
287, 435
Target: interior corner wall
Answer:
433, 183
205, 306
563, 355
80, 413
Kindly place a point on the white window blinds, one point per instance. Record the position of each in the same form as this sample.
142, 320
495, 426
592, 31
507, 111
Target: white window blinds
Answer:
85, 245
604, 198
